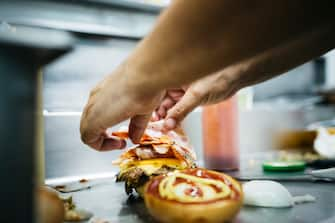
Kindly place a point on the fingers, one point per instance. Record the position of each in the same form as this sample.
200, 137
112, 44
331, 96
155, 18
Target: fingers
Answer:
178, 112
166, 104
155, 117
137, 127
93, 139
176, 94
112, 144
102, 142
93, 134
172, 96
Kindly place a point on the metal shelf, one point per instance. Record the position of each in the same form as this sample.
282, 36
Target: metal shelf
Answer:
153, 6
79, 17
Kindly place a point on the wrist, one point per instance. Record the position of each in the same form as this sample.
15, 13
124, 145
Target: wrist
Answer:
140, 77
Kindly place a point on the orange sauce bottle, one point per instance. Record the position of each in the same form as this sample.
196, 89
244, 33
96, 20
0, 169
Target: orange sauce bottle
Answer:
220, 135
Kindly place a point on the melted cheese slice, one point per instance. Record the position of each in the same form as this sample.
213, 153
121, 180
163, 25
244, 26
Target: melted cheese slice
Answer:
152, 165
171, 191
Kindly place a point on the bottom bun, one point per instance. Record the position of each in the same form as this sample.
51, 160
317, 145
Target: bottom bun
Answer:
50, 208
169, 211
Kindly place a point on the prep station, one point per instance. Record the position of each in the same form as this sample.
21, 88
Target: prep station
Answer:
53, 52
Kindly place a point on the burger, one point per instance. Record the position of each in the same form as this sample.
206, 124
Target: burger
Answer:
157, 154
193, 195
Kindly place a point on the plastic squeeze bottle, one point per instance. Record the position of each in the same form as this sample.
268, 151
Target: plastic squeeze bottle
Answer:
220, 135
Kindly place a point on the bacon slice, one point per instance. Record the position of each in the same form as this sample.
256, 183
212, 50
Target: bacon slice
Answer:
158, 144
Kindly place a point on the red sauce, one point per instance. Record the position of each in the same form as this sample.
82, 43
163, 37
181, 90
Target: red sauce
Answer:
194, 192
199, 193
220, 135
203, 173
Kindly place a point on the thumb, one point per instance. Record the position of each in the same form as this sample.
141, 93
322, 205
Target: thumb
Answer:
179, 111
137, 126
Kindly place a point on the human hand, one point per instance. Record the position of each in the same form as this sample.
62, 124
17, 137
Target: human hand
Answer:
117, 98
178, 103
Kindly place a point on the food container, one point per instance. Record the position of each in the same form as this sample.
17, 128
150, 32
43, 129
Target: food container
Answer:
220, 135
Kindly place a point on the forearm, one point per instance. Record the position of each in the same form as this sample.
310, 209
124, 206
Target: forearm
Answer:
195, 38
223, 84
282, 58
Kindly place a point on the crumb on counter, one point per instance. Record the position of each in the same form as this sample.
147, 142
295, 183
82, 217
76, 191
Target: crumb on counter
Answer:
59, 187
83, 181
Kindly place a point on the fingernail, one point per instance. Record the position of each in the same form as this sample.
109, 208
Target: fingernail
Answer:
154, 117
170, 123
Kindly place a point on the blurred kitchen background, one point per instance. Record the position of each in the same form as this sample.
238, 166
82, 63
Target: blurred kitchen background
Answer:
105, 32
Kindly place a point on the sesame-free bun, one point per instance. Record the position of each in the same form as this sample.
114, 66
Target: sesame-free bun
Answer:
168, 211
50, 208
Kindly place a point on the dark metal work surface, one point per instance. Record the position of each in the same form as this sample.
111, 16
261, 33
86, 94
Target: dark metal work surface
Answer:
22, 52
109, 202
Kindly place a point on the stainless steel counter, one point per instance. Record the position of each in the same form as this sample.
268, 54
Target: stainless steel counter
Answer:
110, 203
66, 156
